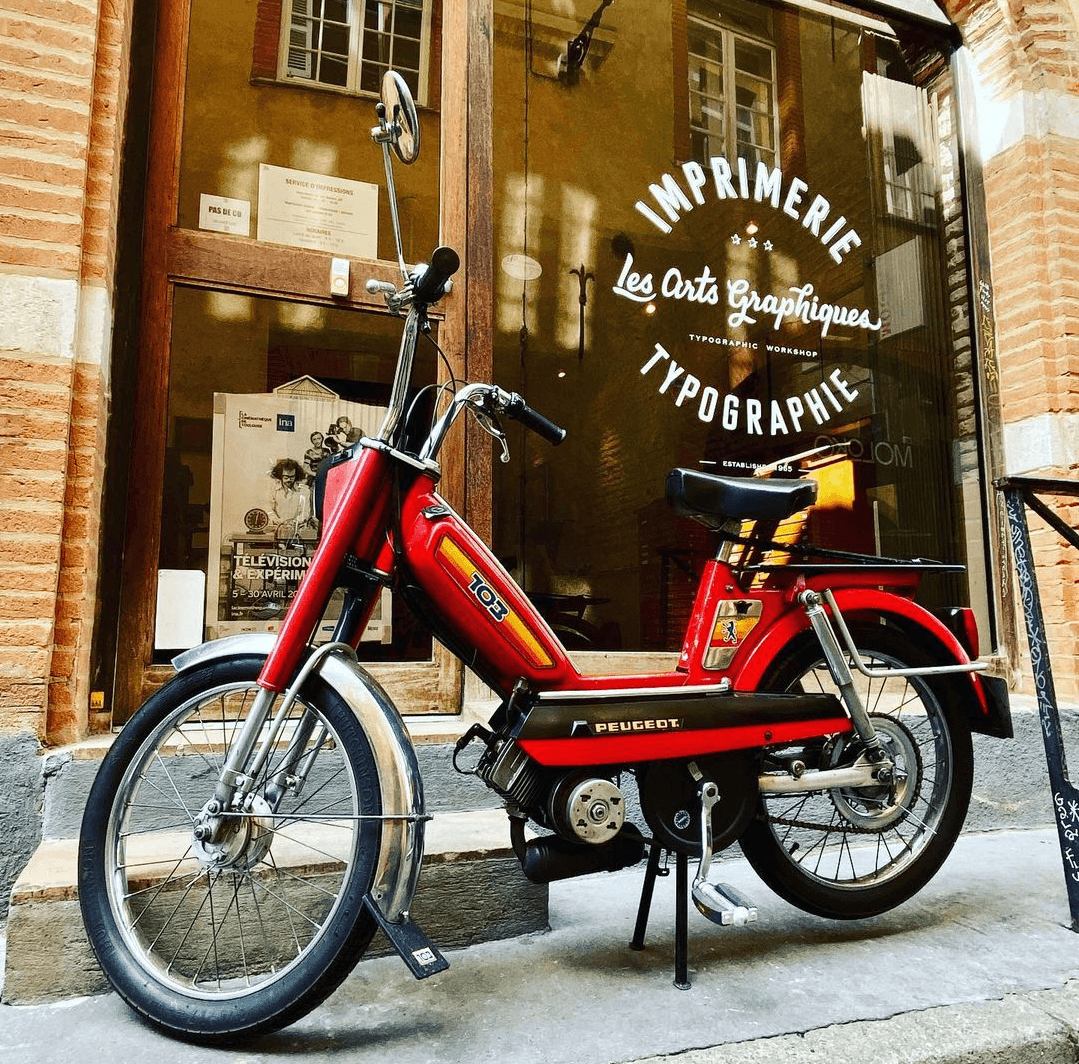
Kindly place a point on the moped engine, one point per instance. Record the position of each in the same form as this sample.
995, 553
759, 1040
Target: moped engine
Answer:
584, 809
510, 772
588, 814
579, 807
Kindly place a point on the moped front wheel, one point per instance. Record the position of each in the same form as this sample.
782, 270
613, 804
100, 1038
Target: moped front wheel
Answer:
849, 853
215, 937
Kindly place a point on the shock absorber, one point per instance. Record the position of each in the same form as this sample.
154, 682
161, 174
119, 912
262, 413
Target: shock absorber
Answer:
839, 667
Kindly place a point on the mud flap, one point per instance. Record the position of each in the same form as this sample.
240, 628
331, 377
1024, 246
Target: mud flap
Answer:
416, 950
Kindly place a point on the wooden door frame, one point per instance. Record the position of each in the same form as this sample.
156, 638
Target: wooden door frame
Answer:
172, 256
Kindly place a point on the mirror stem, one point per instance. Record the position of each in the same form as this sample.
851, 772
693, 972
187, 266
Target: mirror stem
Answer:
393, 208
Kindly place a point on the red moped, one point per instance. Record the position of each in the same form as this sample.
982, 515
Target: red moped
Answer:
262, 814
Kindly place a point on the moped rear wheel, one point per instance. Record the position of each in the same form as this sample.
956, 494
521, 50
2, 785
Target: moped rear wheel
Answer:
222, 938
849, 853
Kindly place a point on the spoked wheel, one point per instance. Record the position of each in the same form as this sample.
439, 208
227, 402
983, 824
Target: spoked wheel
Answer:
217, 927
855, 852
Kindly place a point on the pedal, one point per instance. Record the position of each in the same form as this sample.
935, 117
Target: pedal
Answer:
723, 905
415, 948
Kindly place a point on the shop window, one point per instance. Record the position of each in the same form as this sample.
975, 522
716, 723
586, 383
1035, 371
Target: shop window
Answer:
245, 436
732, 86
777, 287
261, 160
350, 44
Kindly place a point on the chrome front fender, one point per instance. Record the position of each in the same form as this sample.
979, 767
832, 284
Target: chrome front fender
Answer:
401, 853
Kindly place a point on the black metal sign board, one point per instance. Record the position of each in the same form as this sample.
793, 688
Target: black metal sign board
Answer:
1019, 493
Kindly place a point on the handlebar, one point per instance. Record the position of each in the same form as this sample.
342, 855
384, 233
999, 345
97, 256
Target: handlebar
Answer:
487, 401
520, 411
430, 285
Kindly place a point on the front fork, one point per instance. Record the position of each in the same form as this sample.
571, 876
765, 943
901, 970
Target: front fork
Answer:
234, 784
239, 775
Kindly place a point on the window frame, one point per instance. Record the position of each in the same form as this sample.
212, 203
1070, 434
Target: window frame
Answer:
729, 38
357, 30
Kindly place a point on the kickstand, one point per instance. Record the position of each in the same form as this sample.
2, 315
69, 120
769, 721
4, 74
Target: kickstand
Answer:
649, 885
681, 922
681, 911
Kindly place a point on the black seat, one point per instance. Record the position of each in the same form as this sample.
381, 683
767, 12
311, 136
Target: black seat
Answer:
715, 500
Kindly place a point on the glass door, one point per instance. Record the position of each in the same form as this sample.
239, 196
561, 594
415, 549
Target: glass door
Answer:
266, 211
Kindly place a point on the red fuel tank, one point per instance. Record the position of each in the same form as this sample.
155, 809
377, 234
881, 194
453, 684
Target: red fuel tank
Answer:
477, 597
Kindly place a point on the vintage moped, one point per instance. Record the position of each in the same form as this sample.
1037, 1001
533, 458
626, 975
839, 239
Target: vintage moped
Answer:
262, 815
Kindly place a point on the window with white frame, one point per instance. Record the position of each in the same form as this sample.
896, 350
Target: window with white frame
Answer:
350, 44
732, 83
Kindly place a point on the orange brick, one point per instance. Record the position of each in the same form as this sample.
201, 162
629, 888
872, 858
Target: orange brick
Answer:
15, 633
27, 577
34, 522
29, 30
51, 261
27, 454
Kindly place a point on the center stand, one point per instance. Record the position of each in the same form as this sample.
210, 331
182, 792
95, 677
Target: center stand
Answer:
681, 909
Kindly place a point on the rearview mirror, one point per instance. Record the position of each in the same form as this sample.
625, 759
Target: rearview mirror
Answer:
401, 120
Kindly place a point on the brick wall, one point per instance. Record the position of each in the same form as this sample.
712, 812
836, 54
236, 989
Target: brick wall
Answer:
62, 77
267, 39
1027, 57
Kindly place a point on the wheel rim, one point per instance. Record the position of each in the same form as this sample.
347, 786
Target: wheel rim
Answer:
857, 837
224, 917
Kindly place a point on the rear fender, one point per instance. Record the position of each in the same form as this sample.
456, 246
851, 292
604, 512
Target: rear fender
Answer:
984, 698
401, 853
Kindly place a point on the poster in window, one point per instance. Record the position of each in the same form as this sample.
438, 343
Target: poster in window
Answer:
263, 530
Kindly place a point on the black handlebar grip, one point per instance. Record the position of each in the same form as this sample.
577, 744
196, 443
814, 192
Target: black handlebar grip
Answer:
431, 284
518, 409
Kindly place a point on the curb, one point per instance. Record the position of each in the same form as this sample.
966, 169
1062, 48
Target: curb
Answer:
1037, 1027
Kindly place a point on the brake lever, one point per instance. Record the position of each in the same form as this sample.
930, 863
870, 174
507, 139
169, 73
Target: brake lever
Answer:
489, 425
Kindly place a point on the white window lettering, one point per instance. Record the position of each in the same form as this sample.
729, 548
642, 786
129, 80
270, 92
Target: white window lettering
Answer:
690, 387
768, 184
673, 371
730, 412
842, 387
709, 399
658, 356
794, 196
670, 197
695, 178
778, 424
753, 417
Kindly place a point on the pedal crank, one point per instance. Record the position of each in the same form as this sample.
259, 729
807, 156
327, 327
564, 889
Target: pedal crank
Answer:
719, 902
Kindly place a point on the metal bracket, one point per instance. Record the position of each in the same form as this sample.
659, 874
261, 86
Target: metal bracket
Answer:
858, 662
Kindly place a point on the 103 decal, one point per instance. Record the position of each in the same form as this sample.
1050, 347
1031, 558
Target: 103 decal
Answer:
487, 597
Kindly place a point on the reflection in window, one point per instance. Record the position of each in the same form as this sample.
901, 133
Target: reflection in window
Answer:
350, 44
732, 84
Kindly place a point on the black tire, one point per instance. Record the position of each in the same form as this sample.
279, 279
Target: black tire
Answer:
220, 942
853, 853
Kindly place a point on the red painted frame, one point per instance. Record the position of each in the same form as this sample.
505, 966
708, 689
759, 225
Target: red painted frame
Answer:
484, 609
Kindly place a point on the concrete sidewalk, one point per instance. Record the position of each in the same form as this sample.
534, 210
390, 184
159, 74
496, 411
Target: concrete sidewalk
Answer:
982, 966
